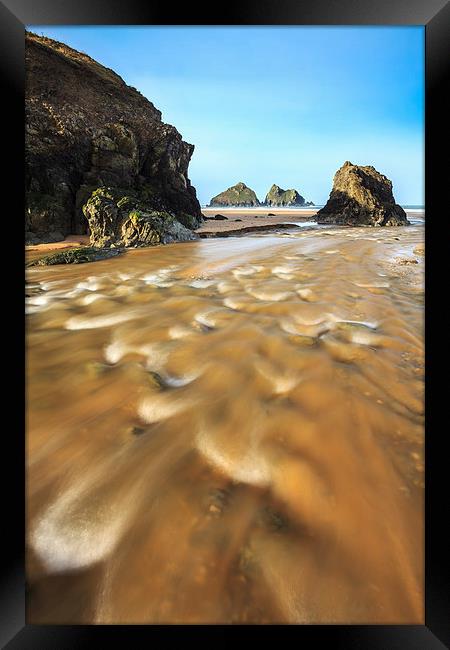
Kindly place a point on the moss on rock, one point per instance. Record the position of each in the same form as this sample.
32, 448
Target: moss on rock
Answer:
120, 217
74, 256
188, 220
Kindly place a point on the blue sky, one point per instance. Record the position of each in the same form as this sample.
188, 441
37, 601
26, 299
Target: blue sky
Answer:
284, 105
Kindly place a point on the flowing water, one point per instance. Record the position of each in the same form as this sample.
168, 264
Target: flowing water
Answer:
229, 431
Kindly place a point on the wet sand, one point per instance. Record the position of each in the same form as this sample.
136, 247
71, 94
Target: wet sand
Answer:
229, 431
251, 218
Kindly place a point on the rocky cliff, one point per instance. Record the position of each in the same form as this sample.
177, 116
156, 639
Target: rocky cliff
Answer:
361, 196
238, 195
279, 197
86, 131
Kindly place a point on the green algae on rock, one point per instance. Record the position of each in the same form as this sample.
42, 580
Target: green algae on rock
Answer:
75, 256
361, 196
121, 217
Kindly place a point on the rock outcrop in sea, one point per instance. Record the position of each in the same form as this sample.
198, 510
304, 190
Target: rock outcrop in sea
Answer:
99, 157
361, 196
277, 197
238, 195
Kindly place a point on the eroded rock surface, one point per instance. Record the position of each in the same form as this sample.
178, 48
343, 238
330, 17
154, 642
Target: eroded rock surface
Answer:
361, 196
120, 217
85, 130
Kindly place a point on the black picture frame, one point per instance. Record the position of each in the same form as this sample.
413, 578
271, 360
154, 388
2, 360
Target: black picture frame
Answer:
435, 16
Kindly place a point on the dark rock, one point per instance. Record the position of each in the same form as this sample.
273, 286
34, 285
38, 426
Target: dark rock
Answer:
238, 195
274, 227
278, 197
156, 381
271, 214
137, 431
272, 520
220, 217
75, 256
86, 129
361, 196
56, 236
31, 239
217, 501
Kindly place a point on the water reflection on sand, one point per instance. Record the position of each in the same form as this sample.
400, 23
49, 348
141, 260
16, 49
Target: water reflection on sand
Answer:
229, 431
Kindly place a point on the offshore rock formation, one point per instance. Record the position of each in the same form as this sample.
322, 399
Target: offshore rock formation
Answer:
361, 196
238, 195
276, 197
87, 130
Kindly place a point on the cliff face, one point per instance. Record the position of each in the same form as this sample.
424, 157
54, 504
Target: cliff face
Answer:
85, 130
278, 197
237, 195
361, 196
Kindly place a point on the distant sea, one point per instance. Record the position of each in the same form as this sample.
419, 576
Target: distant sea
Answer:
418, 208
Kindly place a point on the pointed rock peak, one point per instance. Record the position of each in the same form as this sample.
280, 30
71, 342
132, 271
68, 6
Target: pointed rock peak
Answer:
348, 164
361, 196
238, 194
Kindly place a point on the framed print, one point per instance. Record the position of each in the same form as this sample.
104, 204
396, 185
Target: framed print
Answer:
231, 354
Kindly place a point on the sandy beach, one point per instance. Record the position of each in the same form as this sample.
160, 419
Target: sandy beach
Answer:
250, 218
